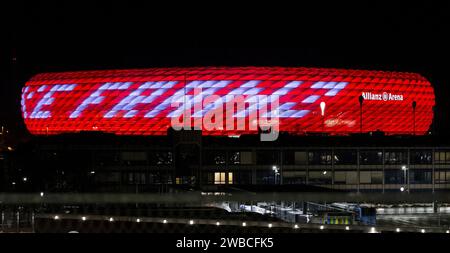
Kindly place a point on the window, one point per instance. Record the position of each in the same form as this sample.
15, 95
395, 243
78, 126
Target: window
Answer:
220, 178
442, 157
319, 157
442, 177
371, 157
240, 157
394, 177
301, 157
214, 157
106, 158
345, 177
134, 156
294, 177
421, 157
161, 158
135, 178
268, 157
344, 157
111, 177
242, 177
320, 177
420, 177
291, 157
395, 157
266, 177
371, 177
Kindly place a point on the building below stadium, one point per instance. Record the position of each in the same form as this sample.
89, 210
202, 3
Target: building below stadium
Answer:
97, 162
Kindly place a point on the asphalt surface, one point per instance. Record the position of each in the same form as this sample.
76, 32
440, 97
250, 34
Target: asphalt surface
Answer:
415, 220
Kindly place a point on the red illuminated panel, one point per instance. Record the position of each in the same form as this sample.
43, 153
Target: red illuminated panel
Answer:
138, 102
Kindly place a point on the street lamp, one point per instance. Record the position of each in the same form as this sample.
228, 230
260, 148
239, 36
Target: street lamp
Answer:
404, 168
276, 173
361, 100
414, 104
322, 110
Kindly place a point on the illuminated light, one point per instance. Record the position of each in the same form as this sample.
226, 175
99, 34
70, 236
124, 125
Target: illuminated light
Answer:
311, 99
372, 230
270, 225
46, 100
13, 183
191, 222
49, 100
318, 85
397, 230
295, 226
111, 219
41, 194
448, 231
10, 149
404, 167
422, 231
402, 189
321, 227
347, 228
56, 217
83, 218
164, 221
244, 224
138, 220
322, 108
92, 172
24, 179
218, 223
324, 172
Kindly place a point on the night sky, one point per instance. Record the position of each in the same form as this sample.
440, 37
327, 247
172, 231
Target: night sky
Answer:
61, 37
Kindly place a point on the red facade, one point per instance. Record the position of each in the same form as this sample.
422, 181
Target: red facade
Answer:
138, 102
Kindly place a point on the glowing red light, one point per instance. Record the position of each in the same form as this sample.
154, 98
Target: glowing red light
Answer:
135, 102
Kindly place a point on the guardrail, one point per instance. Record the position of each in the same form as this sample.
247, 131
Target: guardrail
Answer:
242, 223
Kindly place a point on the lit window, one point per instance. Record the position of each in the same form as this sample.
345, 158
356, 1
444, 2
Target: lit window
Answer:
219, 178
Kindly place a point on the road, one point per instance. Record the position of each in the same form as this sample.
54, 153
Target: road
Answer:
416, 220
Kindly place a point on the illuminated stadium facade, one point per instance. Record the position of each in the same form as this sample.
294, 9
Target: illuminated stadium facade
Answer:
140, 102
108, 131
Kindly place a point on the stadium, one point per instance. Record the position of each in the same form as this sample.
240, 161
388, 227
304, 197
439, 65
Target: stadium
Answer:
340, 132
139, 102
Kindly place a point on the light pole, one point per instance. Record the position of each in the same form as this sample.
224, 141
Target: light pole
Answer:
414, 104
405, 187
276, 173
322, 110
361, 100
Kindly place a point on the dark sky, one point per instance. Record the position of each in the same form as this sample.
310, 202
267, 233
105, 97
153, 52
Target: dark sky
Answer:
70, 36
